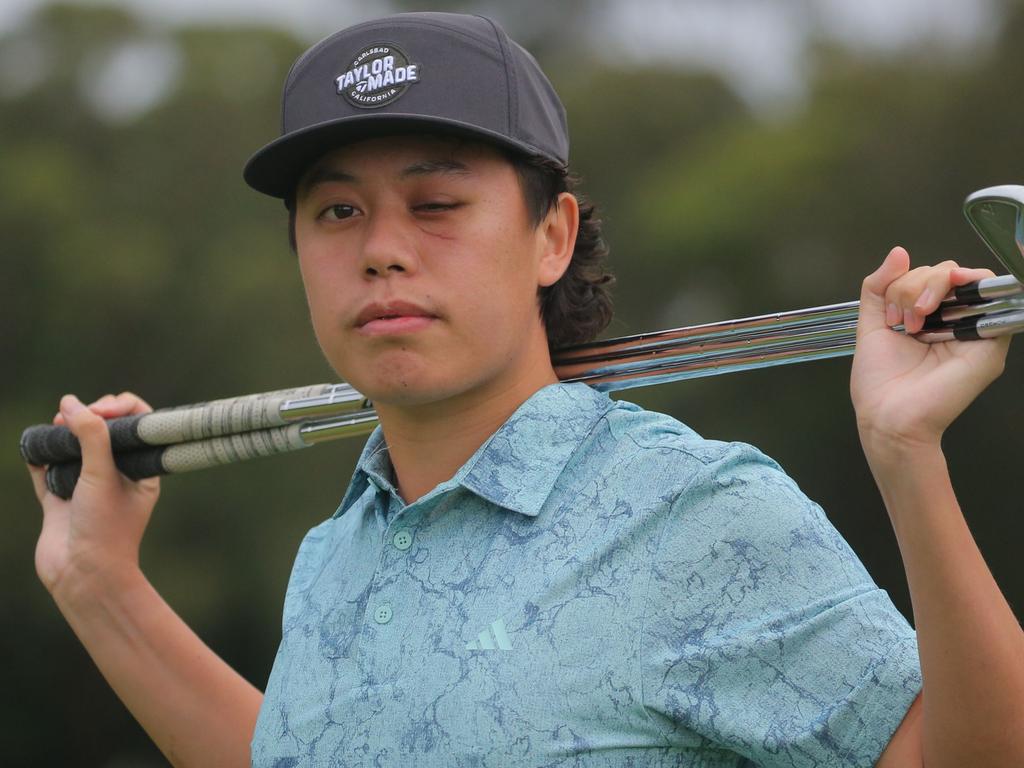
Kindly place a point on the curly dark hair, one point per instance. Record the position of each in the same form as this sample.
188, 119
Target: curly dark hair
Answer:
578, 306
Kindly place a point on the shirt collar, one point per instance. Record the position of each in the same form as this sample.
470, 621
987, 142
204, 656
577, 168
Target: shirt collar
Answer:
517, 467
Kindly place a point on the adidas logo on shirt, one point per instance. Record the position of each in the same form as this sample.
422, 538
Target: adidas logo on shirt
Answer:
492, 638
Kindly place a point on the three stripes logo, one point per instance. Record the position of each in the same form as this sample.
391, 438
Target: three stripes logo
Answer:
486, 641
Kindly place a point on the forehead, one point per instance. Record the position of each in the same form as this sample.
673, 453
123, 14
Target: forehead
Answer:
405, 156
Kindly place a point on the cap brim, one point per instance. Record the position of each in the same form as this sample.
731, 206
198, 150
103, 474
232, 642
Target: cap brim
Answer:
277, 167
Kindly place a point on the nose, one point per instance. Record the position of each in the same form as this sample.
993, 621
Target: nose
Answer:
388, 247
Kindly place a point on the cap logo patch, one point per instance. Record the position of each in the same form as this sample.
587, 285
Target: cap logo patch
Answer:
378, 75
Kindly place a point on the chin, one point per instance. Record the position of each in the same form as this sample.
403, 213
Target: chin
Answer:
403, 380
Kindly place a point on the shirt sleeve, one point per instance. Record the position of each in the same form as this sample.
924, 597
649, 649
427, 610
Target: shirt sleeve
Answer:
763, 633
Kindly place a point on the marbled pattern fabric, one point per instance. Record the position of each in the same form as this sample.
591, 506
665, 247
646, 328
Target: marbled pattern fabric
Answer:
597, 586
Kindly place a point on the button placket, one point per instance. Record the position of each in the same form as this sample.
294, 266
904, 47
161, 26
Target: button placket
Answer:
401, 539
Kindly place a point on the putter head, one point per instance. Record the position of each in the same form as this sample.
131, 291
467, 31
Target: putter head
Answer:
997, 215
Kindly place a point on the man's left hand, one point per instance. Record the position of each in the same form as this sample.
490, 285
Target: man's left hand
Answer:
906, 392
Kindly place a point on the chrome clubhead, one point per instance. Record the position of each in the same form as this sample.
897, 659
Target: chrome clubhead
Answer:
997, 215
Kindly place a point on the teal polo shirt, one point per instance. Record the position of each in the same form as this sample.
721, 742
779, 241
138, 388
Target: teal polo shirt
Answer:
597, 586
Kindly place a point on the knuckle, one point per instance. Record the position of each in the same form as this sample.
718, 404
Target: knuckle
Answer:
134, 402
87, 424
82, 419
901, 294
148, 487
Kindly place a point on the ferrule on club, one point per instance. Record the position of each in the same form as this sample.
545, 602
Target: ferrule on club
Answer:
359, 423
971, 329
342, 398
961, 311
986, 289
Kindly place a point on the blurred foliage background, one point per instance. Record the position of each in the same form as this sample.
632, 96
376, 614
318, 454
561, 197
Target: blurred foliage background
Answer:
135, 258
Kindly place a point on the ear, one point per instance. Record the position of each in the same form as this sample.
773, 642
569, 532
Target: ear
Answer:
557, 234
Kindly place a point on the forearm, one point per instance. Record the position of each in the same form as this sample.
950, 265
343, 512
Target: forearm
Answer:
971, 646
196, 708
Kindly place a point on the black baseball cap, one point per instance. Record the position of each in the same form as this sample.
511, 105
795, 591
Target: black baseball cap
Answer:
431, 72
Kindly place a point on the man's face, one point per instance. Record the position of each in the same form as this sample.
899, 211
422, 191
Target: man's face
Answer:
421, 267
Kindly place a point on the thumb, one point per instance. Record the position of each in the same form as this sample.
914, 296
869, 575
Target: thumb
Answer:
91, 430
872, 294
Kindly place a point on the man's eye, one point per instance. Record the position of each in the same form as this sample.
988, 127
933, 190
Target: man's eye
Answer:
338, 212
436, 207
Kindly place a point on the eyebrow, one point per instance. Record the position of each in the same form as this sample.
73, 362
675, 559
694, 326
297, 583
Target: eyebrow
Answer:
427, 167
328, 174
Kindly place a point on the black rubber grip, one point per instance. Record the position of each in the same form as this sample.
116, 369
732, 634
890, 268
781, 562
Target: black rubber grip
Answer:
933, 321
45, 444
966, 330
135, 465
968, 294
49, 444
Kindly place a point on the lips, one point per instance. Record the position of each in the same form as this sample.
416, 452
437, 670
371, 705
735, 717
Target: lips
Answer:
393, 317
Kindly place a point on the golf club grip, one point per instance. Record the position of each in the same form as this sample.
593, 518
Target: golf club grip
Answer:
50, 444
968, 294
185, 457
44, 444
61, 479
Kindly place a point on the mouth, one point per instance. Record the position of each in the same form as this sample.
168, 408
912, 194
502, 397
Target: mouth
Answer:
393, 317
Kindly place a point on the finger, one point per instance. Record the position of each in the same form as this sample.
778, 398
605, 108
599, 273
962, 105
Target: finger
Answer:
912, 297
124, 404
933, 287
873, 308
133, 403
100, 403
964, 275
38, 481
91, 430
936, 286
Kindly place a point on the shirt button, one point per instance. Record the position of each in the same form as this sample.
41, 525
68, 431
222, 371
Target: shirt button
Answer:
403, 539
383, 614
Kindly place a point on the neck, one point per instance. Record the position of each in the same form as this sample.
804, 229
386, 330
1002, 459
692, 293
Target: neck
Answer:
427, 444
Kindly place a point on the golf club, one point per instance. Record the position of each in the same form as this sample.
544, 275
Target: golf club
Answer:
235, 429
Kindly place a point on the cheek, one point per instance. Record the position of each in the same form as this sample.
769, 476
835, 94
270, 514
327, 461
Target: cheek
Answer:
325, 297
314, 289
501, 298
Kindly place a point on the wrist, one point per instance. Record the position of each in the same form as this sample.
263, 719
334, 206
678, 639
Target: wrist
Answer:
893, 454
894, 444
83, 587
905, 469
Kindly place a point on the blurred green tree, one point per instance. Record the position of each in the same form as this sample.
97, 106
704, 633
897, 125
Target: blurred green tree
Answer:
137, 259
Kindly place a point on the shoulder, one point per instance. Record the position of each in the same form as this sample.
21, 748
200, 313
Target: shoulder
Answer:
664, 445
722, 497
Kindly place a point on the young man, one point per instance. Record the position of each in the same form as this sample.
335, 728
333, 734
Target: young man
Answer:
524, 572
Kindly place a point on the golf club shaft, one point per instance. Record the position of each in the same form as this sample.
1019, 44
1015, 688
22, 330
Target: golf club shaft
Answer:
46, 444
811, 343
62, 477
235, 429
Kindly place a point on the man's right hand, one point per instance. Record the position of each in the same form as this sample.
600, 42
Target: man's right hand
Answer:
196, 708
96, 534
